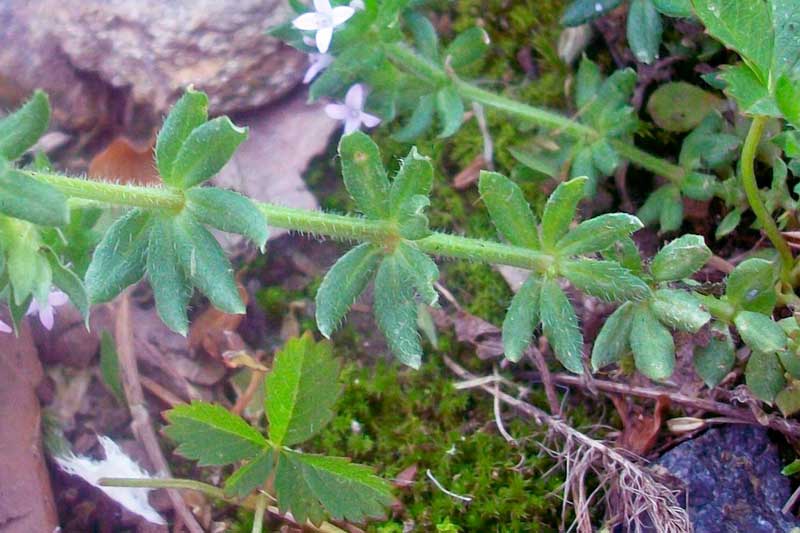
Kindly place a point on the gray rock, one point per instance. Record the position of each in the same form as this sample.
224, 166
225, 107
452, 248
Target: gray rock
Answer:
733, 481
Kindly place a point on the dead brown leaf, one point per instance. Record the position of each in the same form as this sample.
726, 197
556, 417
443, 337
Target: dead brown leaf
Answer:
640, 429
211, 330
125, 162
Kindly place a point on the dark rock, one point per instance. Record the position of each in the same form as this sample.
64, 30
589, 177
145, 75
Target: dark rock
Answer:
733, 481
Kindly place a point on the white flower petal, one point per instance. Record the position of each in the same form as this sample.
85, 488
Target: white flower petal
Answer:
33, 308
322, 6
357, 4
324, 37
309, 21
5, 328
354, 99
337, 111
370, 120
352, 124
116, 464
319, 62
47, 317
57, 298
341, 14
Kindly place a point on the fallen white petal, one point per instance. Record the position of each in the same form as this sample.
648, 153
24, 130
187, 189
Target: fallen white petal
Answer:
118, 465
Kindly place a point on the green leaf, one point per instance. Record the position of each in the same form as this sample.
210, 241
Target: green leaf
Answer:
171, 288
787, 95
644, 30
764, 376
415, 177
743, 25
119, 259
788, 400
728, 224
714, 361
420, 269
674, 8
312, 486
699, 186
785, 21
396, 312
587, 82
560, 326
752, 95
612, 340
411, 218
582, 11
652, 345
751, 286
205, 264
301, 389
425, 38
188, 113
28, 271
228, 211
680, 106
212, 435
535, 161
450, 109
251, 476
604, 279
25, 198
560, 210
354, 64
521, 319
109, 367
583, 164
467, 48
509, 210
21, 129
792, 468
679, 310
343, 284
680, 258
66, 280
604, 157
364, 175
598, 233
206, 151
760, 332
420, 120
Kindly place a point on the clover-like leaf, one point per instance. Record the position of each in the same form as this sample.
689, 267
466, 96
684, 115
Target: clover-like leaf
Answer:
509, 210
252, 475
212, 435
301, 390
521, 319
21, 129
560, 326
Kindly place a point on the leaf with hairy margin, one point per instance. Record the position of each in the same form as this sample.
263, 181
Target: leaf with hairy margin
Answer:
396, 311
560, 326
612, 341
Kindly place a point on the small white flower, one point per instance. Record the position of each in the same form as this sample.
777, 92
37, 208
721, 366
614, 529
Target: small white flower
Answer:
351, 111
46, 312
116, 464
323, 20
316, 64
5, 328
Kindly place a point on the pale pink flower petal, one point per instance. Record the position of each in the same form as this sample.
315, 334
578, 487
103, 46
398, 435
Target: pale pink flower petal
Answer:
337, 111
318, 63
57, 298
5, 328
323, 37
33, 308
352, 124
370, 120
47, 317
309, 21
341, 14
322, 6
354, 99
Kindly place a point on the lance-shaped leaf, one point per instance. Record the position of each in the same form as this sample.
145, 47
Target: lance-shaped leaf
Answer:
751, 286
604, 157
212, 435
419, 121
644, 30
604, 279
171, 288
560, 326
396, 311
560, 210
674, 8
716, 359
680, 258
450, 109
313, 486
28, 271
420, 270
760, 332
582, 11
764, 376
119, 259
205, 264
425, 38
66, 280
21, 129
787, 96
652, 345
343, 284
612, 341
412, 222
206, 151
468, 47
364, 175
679, 310
509, 210
587, 82
598, 233
521, 319
188, 113
228, 211
301, 390
25, 198
251, 476
415, 178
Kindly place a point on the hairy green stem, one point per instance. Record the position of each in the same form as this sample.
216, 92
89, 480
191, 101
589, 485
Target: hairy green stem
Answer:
754, 196
152, 483
407, 59
261, 508
342, 227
